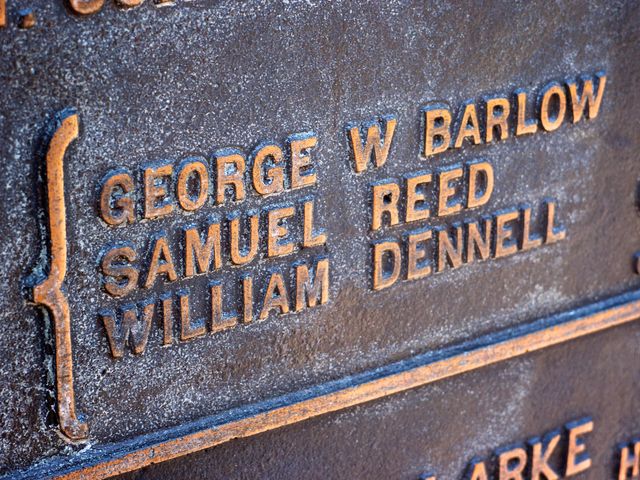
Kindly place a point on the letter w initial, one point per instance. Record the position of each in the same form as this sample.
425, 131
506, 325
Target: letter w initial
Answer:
132, 331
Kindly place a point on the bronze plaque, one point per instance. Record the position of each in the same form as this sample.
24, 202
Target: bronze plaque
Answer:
320, 239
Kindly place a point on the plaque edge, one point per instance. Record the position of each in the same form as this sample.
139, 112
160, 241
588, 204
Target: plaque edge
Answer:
417, 371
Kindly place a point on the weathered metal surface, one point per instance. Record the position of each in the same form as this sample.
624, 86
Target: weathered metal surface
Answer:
319, 240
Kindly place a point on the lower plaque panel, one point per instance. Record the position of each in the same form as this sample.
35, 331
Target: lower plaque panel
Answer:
511, 386
444, 427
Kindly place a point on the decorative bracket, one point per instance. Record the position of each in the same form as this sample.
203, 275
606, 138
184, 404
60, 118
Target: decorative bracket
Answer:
49, 292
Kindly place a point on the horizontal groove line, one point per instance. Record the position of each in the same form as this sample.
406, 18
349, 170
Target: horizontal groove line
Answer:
366, 391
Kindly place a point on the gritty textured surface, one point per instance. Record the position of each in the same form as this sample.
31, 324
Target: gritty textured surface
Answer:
166, 84
439, 428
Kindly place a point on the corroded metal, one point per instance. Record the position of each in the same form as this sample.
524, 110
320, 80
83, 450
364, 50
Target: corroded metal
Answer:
397, 379
49, 293
319, 240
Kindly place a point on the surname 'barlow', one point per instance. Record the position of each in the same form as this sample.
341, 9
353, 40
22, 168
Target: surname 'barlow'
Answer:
495, 117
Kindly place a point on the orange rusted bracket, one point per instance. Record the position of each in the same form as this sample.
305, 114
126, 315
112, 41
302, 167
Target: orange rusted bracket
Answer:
49, 292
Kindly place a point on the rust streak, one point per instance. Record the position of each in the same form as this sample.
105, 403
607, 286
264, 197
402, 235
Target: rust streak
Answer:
364, 392
49, 292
